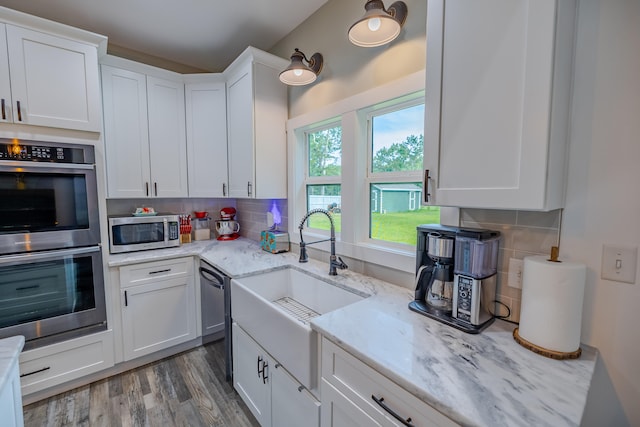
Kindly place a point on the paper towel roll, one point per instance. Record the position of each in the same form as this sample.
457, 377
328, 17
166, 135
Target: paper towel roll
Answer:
551, 310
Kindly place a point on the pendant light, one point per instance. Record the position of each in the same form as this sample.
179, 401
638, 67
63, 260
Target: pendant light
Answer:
299, 74
378, 26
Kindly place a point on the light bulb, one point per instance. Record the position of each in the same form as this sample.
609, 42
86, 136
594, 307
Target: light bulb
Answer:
374, 24
297, 72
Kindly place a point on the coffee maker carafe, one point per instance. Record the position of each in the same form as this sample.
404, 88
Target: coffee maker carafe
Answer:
456, 275
439, 276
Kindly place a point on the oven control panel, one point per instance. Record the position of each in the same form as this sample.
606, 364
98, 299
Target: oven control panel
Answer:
16, 150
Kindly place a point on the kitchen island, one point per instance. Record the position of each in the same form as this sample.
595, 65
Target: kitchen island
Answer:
477, 380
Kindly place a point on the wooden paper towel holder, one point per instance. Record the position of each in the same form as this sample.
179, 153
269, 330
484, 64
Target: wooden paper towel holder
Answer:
553, 354
558, 355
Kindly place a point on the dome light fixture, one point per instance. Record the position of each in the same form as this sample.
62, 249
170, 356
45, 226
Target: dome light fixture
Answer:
378, 26
299, 74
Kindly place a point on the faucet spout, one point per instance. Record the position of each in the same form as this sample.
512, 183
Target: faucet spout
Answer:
334, 262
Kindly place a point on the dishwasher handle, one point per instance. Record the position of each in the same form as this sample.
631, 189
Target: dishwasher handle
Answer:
216, 279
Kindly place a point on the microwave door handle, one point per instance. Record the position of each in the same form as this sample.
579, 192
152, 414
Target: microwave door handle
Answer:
217, 280
45, 256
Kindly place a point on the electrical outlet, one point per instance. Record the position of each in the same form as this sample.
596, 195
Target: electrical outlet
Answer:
619, 263
515, 273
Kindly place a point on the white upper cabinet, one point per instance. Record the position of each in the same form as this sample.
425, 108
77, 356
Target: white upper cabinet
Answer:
497, 102
145, 140
48, 80
5, 84
126, 134
206, 113
167, 137
256, 120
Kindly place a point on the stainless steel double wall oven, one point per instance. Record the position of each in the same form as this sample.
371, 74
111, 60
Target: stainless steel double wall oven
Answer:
51, 273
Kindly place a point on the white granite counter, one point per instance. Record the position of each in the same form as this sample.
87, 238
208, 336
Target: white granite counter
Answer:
477, 380
10, 349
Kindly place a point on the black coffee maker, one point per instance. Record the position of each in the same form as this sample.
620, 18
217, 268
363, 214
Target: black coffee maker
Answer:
456, 275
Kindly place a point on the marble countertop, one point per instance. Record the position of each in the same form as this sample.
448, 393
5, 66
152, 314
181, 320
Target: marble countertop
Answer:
476, 380
10, 349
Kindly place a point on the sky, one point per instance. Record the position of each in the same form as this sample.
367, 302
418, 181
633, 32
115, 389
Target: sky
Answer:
396, 126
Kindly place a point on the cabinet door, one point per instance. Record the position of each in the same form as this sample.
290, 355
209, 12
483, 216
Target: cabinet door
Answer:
158, 315
5, 85
338, 411
45, 367
167, 137
488, 105
55, 80
126, 134
251, 375
10, 395
206, 111
292, 405
241, 135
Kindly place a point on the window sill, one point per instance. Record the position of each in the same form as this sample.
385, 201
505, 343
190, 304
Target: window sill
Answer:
394, 258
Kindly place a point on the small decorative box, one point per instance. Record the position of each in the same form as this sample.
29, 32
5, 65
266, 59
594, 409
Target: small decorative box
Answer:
274, 241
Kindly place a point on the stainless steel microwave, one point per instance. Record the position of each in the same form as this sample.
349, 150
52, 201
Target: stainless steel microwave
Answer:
139, 233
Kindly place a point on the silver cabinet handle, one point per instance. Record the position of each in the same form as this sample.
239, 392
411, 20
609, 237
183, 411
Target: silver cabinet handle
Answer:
249, 188
224, 189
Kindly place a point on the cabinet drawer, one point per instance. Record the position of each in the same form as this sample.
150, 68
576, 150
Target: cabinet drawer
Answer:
139, 274
58, 363
361, 384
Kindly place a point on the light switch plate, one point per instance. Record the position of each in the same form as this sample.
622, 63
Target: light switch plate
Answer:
619, 263
515, 273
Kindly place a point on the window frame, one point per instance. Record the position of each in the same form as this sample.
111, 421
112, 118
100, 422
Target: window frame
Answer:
352, 113
397, 104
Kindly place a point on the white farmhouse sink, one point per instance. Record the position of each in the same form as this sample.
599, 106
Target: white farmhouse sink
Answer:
275, 307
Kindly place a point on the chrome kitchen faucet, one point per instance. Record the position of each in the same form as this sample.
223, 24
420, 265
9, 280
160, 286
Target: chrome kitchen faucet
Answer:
334, 262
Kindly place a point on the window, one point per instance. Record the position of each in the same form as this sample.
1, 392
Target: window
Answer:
396, 145
324, 170
361, 158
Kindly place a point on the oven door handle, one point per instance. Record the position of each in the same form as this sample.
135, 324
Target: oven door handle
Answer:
47, 255
11, 165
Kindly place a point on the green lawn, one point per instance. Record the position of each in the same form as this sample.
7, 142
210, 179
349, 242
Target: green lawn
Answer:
397, 227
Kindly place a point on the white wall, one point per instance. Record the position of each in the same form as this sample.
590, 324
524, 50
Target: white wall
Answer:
603, 194
348, 69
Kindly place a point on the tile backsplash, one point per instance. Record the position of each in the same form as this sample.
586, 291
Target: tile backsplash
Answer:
174, 206
523, 233
252, 215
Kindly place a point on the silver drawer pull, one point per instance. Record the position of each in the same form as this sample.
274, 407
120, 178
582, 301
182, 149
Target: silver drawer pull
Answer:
380, 402
160, 271
35, 372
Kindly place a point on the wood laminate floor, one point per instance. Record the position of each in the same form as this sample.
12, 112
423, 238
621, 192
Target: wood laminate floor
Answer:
185, 390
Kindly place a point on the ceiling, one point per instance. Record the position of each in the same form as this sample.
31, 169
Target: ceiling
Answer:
203, 34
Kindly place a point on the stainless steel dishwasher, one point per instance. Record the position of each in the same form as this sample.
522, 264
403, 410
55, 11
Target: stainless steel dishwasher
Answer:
216, 309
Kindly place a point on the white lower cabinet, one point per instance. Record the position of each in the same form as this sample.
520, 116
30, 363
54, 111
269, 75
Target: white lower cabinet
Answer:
158, 306
55, 364
354, 394
274, 397
338, 410
10, 394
